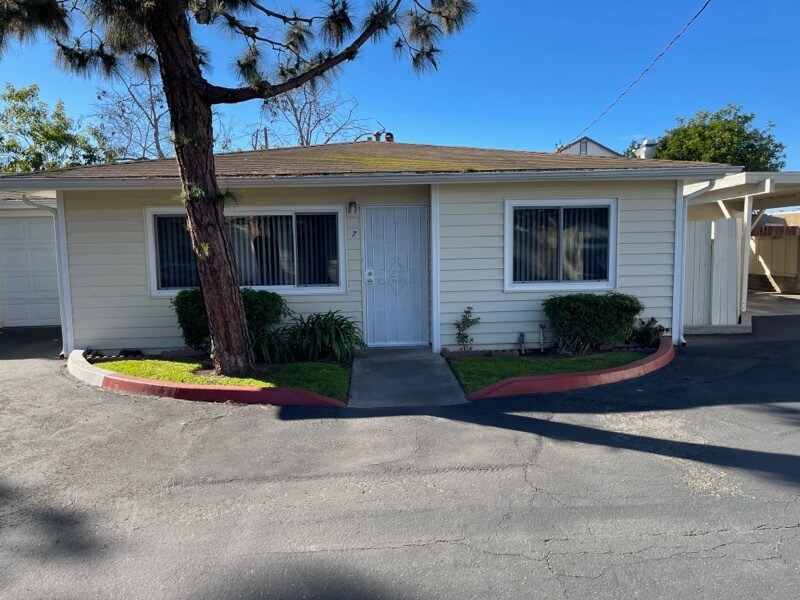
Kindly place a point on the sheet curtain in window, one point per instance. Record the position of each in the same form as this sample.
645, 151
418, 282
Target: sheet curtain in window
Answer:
264, 249
585, 242
535, 244
560, 244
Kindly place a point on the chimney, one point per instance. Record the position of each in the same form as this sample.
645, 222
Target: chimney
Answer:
378, 135
647, 149
389, 136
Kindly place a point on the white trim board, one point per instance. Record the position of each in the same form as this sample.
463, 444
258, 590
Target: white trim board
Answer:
64, 284
436, 316
679, 268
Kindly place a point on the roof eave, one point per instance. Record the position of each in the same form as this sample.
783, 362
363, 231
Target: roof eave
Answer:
86, 183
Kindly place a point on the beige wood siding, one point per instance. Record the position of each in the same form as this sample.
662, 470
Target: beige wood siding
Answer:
108, 263
472, 249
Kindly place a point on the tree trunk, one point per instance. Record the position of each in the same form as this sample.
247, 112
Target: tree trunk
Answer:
190, 118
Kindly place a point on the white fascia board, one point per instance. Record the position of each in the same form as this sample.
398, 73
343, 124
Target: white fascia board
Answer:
789, 177
736, 184
766, 190
373, 179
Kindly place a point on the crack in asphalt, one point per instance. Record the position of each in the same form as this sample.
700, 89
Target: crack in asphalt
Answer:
455, 470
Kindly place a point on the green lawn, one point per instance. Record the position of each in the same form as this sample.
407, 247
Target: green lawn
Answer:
476, 372
323, 378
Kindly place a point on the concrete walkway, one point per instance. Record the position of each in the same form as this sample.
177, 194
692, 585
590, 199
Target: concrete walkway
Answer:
768, 304
392, 377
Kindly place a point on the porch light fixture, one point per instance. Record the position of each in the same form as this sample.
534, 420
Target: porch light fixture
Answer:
352, 208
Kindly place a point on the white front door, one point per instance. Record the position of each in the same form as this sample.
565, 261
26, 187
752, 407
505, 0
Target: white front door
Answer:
396, 291
28, 280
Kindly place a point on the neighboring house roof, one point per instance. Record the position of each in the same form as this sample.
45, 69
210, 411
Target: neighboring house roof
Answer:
567, 147
361, 158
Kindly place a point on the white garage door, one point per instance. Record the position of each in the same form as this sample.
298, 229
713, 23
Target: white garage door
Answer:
28, 280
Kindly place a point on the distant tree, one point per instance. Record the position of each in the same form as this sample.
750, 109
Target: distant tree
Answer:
630, 151
727, 135
281, 51
133, 114
34, 137
314, 113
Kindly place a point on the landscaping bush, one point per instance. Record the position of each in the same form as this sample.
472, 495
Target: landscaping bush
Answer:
463, 325
263, 310
583, 321
274, 347
324, 336
191, 312
648, 333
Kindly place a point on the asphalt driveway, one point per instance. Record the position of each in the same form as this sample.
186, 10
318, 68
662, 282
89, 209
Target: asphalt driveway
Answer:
682, 484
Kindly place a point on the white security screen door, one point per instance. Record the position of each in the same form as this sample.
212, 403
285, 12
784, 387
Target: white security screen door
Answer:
396, 275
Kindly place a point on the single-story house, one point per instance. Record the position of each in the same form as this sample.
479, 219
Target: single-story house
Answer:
400, 237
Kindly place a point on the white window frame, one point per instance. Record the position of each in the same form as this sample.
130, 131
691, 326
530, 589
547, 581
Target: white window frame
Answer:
247, 211
560, 286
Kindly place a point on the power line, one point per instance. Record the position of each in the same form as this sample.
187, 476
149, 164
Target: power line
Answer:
643, 73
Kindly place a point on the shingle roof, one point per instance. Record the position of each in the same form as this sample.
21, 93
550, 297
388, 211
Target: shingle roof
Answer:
364, 158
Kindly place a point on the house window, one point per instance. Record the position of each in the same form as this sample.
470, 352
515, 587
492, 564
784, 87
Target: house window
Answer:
560, 246
584, 147
291, 252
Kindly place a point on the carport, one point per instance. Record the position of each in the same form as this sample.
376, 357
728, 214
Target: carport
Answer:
722, 254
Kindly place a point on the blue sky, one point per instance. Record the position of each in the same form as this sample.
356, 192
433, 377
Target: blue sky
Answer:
527, 74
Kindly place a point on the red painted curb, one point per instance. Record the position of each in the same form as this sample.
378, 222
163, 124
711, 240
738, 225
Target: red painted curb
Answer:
219, 393
562, 382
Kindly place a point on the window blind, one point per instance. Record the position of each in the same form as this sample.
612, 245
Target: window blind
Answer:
270, 250
560, 244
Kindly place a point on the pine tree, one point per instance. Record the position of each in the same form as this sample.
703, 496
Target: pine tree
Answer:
281, 51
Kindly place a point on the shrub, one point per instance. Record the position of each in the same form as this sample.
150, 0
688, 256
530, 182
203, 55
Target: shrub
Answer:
585, 321
274, 347
648, 333
191, 312
324, 336
465, 321
263, 310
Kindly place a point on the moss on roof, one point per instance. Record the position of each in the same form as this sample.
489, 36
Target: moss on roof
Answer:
365, 158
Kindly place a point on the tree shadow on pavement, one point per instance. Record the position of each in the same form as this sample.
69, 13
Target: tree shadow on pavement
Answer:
504, 414
300, 578
30, 528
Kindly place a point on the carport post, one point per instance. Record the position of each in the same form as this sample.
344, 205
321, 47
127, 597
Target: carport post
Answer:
746, 233
679, 266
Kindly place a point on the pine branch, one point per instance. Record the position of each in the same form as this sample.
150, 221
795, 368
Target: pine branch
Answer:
376, 23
